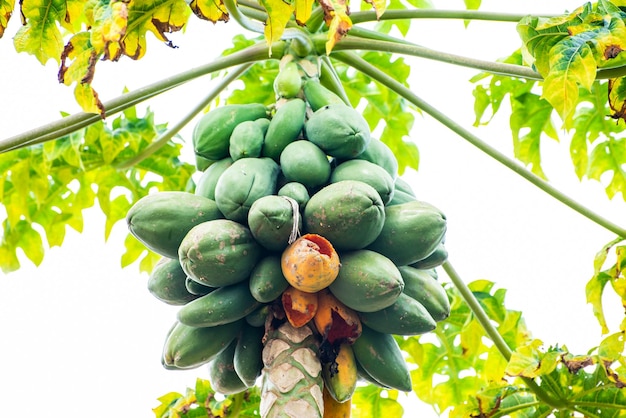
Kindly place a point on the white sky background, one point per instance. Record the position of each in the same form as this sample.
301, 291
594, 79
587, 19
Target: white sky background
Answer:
82, 337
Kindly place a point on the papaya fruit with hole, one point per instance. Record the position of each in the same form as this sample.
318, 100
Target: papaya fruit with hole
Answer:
241, 184
167, 282
300, 307
411, 232
368, 173
310, 263
340, 374
349, 213
339, 130
161, 220
367, 281
284, 128
211, 135
224, 305
219, 253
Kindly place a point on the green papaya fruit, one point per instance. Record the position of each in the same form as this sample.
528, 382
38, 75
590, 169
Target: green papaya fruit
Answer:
271, 220
246, 141
219, 253
189, 347
412, 231
405, 317
368, 173
258, 317
285, 127
248, 359
196, 288
365, 377
304, 162
349, 213
400, 197
339, 130
379, 153
318, 96
296, 191
380, 356
211, 135
437, 258
423, 287
241, 184
161, 220
404, 186
222, 306
267, 282
222, 374
367, 281
167, 282
203, 163
288, 82
207, 181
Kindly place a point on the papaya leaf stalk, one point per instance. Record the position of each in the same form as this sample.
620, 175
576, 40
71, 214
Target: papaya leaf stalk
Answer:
360, 64
72, 123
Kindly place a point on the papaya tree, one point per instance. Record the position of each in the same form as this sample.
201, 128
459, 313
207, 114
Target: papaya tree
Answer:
309, 275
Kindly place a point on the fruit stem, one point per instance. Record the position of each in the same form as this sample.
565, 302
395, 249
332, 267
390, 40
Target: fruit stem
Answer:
494, 335
164, 137
370, 16
333, 78
360, 64
72, 123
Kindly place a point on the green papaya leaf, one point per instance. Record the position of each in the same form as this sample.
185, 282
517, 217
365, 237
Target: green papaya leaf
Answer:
40, 36
369, 402
608, 157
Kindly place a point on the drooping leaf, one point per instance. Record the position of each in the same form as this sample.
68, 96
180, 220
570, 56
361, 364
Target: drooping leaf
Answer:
40, 36
211, 10
617, 98
609, 156
336, 16
303, 10
278, 14
6, 10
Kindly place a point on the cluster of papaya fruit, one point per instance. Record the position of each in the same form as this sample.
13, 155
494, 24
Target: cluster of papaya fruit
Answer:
299, 218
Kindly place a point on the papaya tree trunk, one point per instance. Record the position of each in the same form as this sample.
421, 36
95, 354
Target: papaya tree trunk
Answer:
292, 379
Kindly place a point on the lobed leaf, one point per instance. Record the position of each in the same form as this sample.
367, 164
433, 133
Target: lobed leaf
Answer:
211, 10
336, 16
40, 36
6, 10
369, 402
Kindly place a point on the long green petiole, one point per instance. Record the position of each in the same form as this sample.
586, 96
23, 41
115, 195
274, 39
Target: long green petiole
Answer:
72, 123
370, 16
171, 132
494, 335
365, 67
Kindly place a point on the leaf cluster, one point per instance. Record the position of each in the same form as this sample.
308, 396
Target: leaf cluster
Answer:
45, 188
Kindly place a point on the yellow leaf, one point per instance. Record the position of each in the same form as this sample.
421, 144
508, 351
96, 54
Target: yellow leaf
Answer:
379, 6
6, 9
303, 10
278, 14
212, 10
88, 99
336, 17
41, 36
